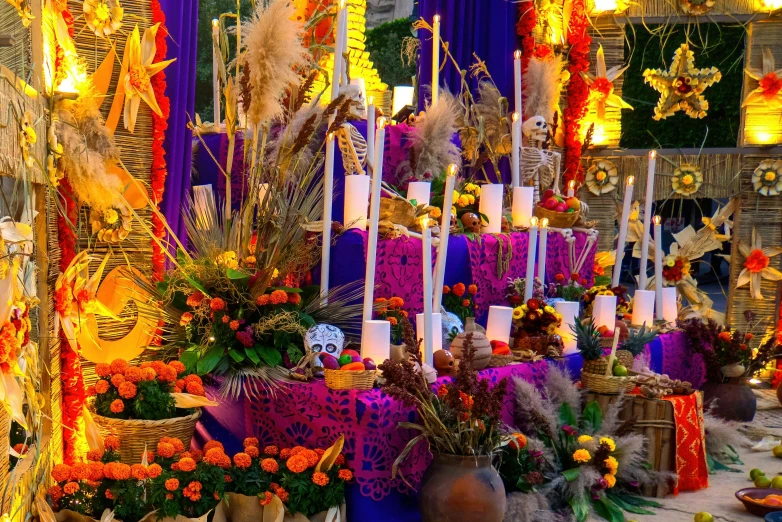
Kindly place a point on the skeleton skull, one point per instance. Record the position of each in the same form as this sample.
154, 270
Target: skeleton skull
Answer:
535, 128
358, 110
324, 338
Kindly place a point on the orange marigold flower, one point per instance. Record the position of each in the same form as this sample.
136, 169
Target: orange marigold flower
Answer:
194, 378
213, 455
91, 391
271, 450
340, 460
724, 336
166, 374
225, 319
133, 374
345, 474
756, 261
172, 484
270, 465
217, 304
320, 451
473, 289
312, 457
187, 464
195, 299
102, 386
61, 472
459, 289
109, 494
518, 442
225, 461
56, 493
442, 391
320, 478
165, 449
242, 460
282, 494
122, 471
250, 441
262, 300
294, 298
227, 479
466, 302
285, 453
297, 463
195, 389
392, 320
396, 302
180, 383
111, 443
102, 370
178, 366
266, 499
278, 297
94, 455
118, 379
234, 325
154, 471
196, 455
70, 488
127, 390
446, 289
80, 471
117, 406
138, 472
149, 374
185, 319
170, 496
380, 300
119, 366
194, 486
252, 451
297, 449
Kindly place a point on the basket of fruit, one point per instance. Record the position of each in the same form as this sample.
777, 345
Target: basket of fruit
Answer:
561, 212
501, 354
596, 375
349, 372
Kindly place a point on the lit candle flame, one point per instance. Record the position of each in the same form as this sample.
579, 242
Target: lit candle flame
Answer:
533, 221
543, 222
342, 4
330, 136
571, 184
381, 122
371, 100
657, 220
517, 55
652, 154
424, 222
630, 180
452, 168
437, 19
515, 117
215, 22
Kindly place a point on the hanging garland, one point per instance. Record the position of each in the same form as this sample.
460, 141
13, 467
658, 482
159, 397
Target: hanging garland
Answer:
577, 90
524, 28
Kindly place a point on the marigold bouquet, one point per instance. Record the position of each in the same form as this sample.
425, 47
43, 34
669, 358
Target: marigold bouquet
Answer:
520, 466
142, 392
569, 289
391, 310
535, 318
460, 300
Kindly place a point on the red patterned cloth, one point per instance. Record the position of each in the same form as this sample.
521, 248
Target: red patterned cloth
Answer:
691, 467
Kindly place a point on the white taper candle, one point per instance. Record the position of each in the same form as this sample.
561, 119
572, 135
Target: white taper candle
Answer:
529, 277
620, 244
647, 219
371, 133
426, 243
374, 218
542, 250
517, 83
515, 149
658, 266
435, 59
216, 71
445, 232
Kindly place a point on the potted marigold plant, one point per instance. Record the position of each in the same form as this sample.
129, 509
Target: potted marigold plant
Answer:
460, 300
143, 403
391, 310
460, 423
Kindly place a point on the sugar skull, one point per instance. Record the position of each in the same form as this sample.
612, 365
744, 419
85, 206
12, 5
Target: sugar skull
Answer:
471, 222
324, 338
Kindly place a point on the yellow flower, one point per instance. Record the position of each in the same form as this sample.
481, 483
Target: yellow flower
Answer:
552, 329
275, 274
583, 439
110, 216
228, 259
549, 309
770, 175
518, 312
605, 292
610, 480
104, 17
612, 464
456, 195
608, 441
524, 308
601, 175
687, 179
435, 213
670, 261
471, 199
463, 200
30, 135
582, 455
453, 211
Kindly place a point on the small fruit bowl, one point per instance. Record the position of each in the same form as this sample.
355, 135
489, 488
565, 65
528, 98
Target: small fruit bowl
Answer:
752, 499
557, 219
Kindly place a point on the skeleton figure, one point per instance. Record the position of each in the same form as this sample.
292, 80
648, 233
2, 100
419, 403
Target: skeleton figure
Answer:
352, 144
535, 129
538, 165
324, 338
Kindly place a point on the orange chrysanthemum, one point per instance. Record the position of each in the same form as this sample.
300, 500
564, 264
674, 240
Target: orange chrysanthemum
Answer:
252, 451
185, 319
320, 451
756, 261
266, 499
345, 474
518, 442
119, 366
149, 374
270, 465
138, 472
127, 390
271, 451
195, 378
312, 458
459, 289
297, 450
109, 495
294, 298
250, 441
80, 471
262, 300
242, 460
179, 447
94, 455
61, 472
177, 366
154, 471
297, 463
166, 374
396, 302
285, 453
165, 450
473, 289
320, 478
172, 484
111, 443
102, 386
187, 465
340, 460
195, 486
195, 299
70, 488
133, 374
118, 379
194, 388
117, 406
234, 325
102, 370
278, 297
217, 304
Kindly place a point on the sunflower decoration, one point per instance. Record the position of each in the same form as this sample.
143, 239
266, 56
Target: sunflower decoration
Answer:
112, 225
103, 17
24, 10
769, 89
601, 86
767, 178
696, 7
756, 264
27, 138
602, 177
687, 179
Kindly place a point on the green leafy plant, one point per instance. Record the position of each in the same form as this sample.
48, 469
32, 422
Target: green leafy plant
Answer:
588, 340
385, 45
460, 300
637, 341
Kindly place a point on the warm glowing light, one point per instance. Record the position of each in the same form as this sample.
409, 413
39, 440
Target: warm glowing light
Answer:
425, 222
571, 184
211, 339
603, 6
371, 100
452, 168
771, 4
403, 96
515, 117
763, 137
599, 136
533, 221
330, 136
657, 220
215, 22
630, 180
517, 55
381, 122
755, 381
543, 222
342, 4
437, 19
652, 154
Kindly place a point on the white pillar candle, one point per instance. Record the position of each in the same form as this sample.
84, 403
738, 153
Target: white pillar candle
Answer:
670, 305
371, 133
647, 218
420, 191
569, 310
643, 308
542, 250
491, 206
521, 211
437, 331
216, 71
499, 323
515, 149
356, 201
604, 311
517, 82
445, 232
571, 188
658, 266
376, 341
435, 59
620, 244
374, 218
529, 277
426, 243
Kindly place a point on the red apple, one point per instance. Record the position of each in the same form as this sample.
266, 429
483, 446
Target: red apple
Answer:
561, 207
549, 193
550, 203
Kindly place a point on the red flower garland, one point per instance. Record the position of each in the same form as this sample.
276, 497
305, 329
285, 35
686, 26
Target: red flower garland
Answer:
524, 28
577, 91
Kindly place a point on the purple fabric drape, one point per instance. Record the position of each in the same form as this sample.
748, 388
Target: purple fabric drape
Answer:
484, 27
182, 24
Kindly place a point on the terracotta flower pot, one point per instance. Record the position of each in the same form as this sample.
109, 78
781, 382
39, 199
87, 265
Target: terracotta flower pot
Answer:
461, 489
734, 401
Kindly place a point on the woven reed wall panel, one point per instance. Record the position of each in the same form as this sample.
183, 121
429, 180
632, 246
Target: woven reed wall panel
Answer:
13, 105
54, 255
761, 125
765, 213
670, 8
609, 34
19, 56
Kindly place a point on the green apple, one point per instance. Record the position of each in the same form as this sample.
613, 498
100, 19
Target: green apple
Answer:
776, 482
620, 371
762, 482
777, 451
755, 473
703, 517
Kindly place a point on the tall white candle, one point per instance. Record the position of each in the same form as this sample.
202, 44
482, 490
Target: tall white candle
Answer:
445, 232
376, 341
517, 82
515, 149
542, 250
374, 218
569, 310
499, 323
658, 266
356, 198
604, 311
643, 308
437, 331
529, 277
571, 188
521, 211
670, 305
490, 205
426, 243
647, 218
216, 71
371, 132
420, 191
620, 244
435, 59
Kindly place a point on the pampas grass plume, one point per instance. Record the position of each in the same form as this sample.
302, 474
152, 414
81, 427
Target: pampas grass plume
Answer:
431, 137
542, 89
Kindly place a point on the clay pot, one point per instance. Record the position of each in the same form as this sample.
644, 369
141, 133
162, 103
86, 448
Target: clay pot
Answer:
461, 489
734, 401
480, 344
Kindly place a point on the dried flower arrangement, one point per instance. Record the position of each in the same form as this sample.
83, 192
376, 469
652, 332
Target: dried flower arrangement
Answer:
535, 318
460, 300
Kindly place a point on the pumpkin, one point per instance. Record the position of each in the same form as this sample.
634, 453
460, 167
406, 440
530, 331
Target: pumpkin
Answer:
480, 344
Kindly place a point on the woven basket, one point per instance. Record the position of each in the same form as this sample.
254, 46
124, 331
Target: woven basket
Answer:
498, 361
138, 435
605, 384
557, 219
5, 444
349, 380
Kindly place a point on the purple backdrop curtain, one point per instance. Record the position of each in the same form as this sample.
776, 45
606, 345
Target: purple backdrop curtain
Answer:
182, 24
484, 27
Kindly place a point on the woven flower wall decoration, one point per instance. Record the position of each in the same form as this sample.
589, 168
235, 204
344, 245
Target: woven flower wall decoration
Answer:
27, 138
111, 226
103, 17
696, 7
769, 90
601, 86
681, 86
23, 10
756, 264
137, 62
687, 179
767, 178
601, 177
